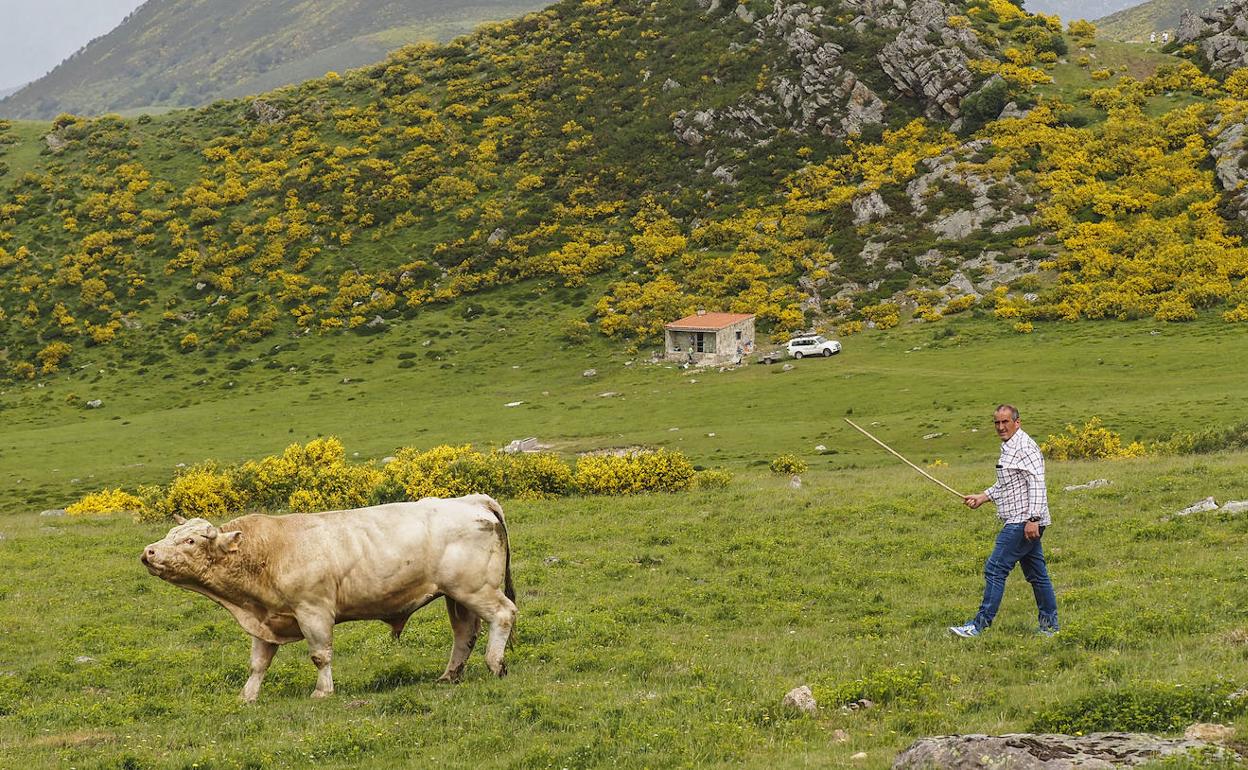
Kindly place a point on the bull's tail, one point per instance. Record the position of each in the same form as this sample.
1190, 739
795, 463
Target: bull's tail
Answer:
509, 590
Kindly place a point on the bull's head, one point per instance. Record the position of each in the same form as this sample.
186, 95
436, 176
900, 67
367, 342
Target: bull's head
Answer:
189, 550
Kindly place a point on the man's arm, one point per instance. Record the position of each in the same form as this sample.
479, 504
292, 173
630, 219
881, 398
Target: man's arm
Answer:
1035, 504
974, 501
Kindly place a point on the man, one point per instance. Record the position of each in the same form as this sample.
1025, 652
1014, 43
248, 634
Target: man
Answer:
1023, 507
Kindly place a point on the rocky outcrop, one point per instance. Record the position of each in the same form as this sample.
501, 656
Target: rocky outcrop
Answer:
1221, 33
811, 90
1024, 751
1230, 155
993, 200
928, 59
868, 208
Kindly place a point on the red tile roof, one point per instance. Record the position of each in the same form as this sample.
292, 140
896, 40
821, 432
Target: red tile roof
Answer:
707, 322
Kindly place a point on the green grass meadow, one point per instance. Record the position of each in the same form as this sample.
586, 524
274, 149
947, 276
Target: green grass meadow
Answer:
657, 630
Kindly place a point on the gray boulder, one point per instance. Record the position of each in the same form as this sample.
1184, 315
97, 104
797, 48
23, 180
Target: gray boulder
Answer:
868, 208
1023, 751
1093, 484
1208, 504
802, 699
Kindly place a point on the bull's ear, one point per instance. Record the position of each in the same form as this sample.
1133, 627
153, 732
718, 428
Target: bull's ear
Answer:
179, 519
228, 541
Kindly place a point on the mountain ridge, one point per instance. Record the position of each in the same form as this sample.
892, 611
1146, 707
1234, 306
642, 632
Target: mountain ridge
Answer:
1078, 9
1155, 16
183, 53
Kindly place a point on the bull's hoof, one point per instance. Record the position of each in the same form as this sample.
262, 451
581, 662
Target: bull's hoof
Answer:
452, 677
322, 693
501, 671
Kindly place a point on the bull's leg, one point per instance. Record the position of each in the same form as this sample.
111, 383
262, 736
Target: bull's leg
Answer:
261, 656
318, 629
500, 612
465, 625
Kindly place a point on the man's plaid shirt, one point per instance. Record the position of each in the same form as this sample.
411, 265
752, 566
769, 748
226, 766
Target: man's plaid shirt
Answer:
1019, 492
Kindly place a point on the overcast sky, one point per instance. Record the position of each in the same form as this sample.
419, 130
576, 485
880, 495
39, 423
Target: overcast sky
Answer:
36, 35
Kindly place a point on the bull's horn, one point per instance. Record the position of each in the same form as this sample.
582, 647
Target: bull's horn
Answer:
179, 519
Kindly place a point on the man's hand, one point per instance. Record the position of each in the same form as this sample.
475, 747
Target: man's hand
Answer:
974, 501
1031, 530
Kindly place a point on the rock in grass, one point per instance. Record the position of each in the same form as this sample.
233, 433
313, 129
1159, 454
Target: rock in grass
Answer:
53, 512
1234, 506
802, 699
95, 403
1025, 751
1208, 504
1093, 484
1209, 733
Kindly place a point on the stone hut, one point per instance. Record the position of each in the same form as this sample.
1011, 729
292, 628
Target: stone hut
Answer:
709, 338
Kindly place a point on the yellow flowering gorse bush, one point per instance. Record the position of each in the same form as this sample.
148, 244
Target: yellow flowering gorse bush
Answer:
317, 476
1090, 442
107, 501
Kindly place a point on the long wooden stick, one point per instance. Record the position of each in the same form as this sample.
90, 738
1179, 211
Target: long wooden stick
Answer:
904, 460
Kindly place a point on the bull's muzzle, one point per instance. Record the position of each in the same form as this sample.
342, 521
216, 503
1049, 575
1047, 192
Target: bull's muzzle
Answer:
147, 558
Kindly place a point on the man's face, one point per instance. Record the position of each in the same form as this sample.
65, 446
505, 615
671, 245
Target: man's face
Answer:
1005, 424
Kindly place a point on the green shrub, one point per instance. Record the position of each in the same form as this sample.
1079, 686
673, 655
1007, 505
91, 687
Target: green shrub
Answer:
903, 685
1206, 441
984, 105
1150, 708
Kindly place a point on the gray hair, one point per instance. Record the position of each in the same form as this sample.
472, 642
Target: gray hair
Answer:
1013, 410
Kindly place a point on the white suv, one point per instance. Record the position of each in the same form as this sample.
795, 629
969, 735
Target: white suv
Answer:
813, 345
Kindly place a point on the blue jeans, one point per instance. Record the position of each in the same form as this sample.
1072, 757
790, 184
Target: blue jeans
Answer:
1013, 548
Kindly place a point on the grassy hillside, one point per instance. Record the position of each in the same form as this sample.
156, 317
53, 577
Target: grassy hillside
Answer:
191, 52
1153, 16
448, 377
651, 155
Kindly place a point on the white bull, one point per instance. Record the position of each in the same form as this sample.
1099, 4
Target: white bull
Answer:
286, 578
